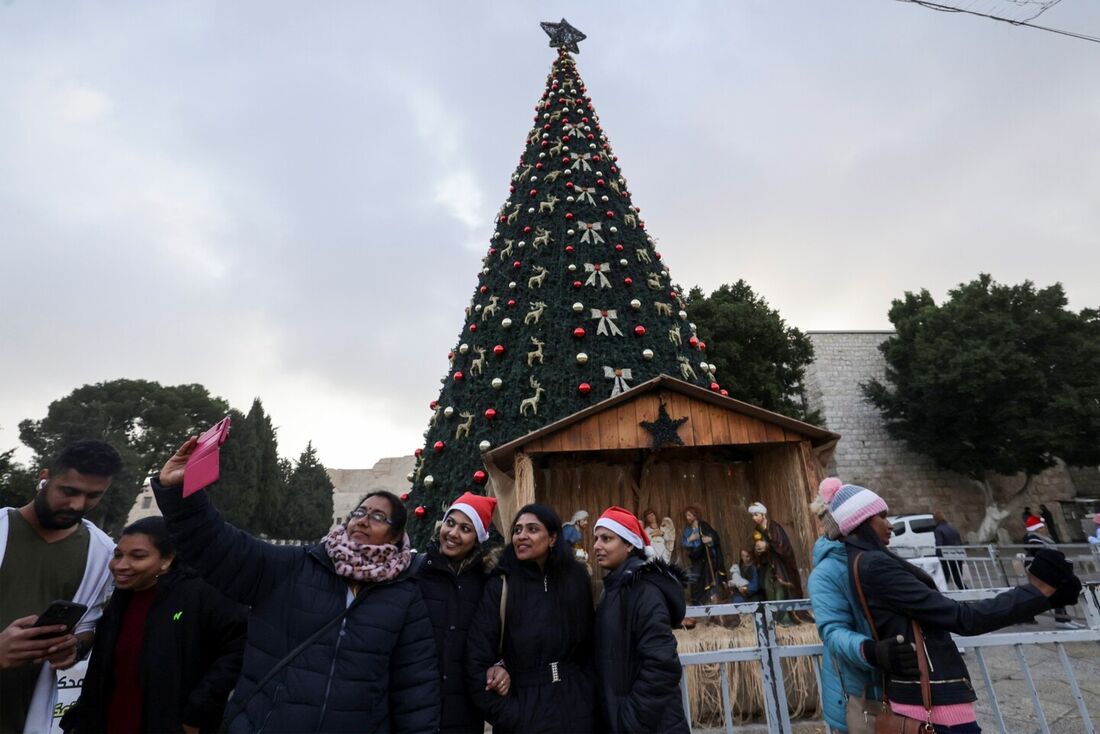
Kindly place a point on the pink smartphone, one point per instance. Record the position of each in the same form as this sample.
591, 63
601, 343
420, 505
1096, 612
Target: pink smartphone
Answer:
203, 468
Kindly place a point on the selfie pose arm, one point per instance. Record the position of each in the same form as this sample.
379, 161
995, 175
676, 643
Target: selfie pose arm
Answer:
242, 567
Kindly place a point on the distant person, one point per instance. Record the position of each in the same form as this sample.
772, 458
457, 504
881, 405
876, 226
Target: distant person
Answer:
168, 649
339, 638
1048, 520
899, 594
1038, 536
1025, 514
637, 666
1095, 538
947, 536
49, 552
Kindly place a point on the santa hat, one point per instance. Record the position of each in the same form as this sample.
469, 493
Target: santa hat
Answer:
758, 508
623, 523
480, 511
1033, 523
853, 505
1096, 517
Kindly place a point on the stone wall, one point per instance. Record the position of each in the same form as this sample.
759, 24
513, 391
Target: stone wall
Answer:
351, 484
909, 482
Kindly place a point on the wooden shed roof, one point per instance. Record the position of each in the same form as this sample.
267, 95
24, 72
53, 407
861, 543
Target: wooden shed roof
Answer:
708, 424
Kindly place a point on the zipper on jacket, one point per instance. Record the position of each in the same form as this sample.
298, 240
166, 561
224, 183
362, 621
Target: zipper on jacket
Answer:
545, 586
270, 711
931, 667
332, 671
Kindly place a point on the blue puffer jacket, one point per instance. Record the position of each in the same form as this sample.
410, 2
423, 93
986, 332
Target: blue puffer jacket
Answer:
843, 628
374, 672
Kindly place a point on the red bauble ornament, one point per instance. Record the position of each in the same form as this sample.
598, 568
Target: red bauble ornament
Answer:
618, 248
599, 182
725, 392
569, 184
473, 328
657, 255
569, 249
498, 350
584, 388
578, 333
533, 193
450, 355
715, 386
404, 496
546, 126
527, 229
511, 303
569, 216
517, 265
490, 413
539, 166
703, 346
567, 160
694, 341
420, 511
628, 280
512, 188
484, 289
610, 214
503, 219
459, 376
639, 330
480, 477
418, 453
577, 285
438, 446
434, 404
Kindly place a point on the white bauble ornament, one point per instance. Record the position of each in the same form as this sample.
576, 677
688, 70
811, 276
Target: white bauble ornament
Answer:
592, 146
569, 199
684, 315
599, 174
521, 243
635, 304
506, 323
578, 307
410, 476
572, 268
565, 148
703, 366
546, 136
448, 411
624, 262
530, 210
614, 230
568, 172
647, 353
497, 383
485, 271
542, 155
692, 327
429, 481
512, 284
570, 232
484, 446
478, 308
582, 358
605, 198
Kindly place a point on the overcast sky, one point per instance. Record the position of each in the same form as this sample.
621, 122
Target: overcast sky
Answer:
291, 200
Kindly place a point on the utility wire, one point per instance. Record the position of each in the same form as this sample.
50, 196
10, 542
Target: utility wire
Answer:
949, 9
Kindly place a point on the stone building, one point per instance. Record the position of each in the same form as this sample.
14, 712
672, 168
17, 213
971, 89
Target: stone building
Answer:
911, 482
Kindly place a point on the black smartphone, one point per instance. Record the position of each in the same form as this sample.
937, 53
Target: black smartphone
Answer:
61, 612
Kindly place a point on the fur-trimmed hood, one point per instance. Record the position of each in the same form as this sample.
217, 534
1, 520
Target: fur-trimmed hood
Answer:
669, 578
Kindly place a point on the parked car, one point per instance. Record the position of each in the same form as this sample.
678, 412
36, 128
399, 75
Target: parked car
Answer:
913, 536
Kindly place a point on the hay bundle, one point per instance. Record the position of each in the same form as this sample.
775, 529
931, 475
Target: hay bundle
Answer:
746, 686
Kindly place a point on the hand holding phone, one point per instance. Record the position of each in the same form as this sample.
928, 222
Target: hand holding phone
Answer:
61, 612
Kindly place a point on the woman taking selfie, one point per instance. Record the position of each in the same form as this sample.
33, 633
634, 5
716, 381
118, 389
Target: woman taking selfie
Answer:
338, 635
452, 578
637, 666
168, 649
535, 620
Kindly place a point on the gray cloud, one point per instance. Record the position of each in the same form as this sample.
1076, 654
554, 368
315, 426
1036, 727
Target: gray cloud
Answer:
292, 201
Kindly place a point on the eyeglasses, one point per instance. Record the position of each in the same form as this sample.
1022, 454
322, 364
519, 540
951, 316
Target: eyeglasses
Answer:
376, 517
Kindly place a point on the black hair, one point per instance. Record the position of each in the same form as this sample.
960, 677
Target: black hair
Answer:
399, 516
157, 530
560, 560
867, 534
88, 456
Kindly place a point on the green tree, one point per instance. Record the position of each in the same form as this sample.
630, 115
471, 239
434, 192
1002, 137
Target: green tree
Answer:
996, 380
571, 305
758, 357
306, 513
144, 420
17, 482
252, 486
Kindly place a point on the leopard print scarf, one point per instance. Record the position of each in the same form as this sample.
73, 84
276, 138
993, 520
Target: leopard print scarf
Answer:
366, 563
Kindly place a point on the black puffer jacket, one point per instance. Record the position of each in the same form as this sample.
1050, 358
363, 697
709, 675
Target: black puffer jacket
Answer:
637, 665
190, 658
547, 634
374, 672
452, 600
898, 592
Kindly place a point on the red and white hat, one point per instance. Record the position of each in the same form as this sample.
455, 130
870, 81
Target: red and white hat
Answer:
623, 523
1033, 523
479, 509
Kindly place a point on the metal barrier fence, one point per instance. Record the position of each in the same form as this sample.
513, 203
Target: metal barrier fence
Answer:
989, 566
769, 654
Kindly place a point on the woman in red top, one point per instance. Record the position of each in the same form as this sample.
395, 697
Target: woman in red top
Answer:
168, 649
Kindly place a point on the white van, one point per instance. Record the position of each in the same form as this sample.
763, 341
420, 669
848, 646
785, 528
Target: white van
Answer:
913, 536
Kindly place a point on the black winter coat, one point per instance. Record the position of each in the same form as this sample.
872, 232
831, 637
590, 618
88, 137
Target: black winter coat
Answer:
898, 592
189, 662
374, 672
452, 600
547, 628
637, 665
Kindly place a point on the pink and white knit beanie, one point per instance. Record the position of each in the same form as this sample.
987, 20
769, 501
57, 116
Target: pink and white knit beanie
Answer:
851, 505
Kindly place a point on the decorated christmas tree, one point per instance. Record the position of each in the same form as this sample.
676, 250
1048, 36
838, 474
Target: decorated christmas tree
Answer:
573, 303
